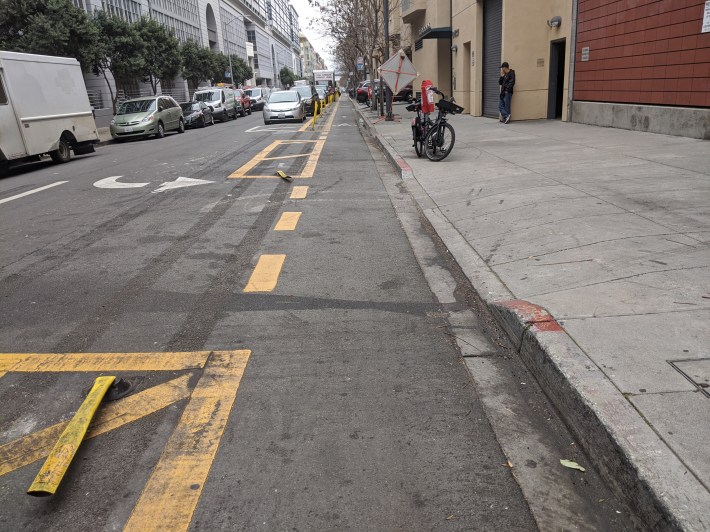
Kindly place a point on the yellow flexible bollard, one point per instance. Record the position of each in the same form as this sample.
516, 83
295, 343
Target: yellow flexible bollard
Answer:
316, 108
47, 480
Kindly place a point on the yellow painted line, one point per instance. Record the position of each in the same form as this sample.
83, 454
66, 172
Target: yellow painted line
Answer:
3, 373
295, 155
288, 221
169, 498
296, 193
265, 274
310, 167
97, 362
52, 472
35, 446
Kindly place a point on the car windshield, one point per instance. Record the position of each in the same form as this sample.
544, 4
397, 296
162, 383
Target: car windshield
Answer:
321, 91
305, 92
254, 93
284, 96
136, 106
190, 106
207, 96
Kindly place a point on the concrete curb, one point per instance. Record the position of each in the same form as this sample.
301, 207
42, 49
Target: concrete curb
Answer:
626, 451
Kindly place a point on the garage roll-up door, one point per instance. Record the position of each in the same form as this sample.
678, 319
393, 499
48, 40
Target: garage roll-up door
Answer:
492, 43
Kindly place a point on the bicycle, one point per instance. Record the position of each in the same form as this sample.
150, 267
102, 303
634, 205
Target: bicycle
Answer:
431, 137
440, 135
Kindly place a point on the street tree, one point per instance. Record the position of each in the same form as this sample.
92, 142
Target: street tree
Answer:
241, 70
49, 27
120, 54
287, 77
219, 66
196, 63
160, 52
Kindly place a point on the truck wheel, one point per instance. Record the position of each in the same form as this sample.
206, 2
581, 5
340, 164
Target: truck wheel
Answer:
161, 131
181, 126
61, 154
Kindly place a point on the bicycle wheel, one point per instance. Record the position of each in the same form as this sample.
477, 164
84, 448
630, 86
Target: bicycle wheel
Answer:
439, 142
418, 140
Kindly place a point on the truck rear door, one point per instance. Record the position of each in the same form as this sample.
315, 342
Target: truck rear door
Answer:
11, 141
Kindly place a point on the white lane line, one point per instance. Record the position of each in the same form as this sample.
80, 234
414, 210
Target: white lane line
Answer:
40, 189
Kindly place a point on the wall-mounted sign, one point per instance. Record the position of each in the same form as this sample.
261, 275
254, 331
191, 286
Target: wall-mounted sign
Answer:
585, 53
706, 18
541, 62
473, 58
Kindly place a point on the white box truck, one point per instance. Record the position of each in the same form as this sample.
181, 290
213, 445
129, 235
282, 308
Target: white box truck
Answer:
44, 109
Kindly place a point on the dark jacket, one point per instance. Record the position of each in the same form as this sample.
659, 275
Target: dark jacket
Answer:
507, 82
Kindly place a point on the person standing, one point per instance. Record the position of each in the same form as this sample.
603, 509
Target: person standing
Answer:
506, 82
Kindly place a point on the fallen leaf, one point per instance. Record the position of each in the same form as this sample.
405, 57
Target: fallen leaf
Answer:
572, 465
510, 464
450, 518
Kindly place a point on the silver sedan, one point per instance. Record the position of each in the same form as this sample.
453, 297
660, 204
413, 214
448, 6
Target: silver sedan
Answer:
284, 105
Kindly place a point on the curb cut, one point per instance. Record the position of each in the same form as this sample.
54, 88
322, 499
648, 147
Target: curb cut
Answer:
626, 451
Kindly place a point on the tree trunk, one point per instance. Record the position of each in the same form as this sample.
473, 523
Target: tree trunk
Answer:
114, 97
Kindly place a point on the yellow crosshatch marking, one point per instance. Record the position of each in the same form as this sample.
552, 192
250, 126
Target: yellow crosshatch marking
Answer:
170, 497
308, 169
288, 221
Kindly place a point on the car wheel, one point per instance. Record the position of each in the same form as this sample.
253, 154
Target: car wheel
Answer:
161, 131
212, 120
181, 126
267, 122
62, 154
203, 123
249, 111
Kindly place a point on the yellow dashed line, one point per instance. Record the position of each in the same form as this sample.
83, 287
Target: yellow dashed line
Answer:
296, 193
265, 274
169, 498
288, 221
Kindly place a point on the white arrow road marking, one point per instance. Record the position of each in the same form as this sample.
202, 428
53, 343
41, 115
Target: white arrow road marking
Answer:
111, 182
181, 182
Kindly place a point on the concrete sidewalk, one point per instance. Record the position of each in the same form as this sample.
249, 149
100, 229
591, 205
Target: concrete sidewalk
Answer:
591, 247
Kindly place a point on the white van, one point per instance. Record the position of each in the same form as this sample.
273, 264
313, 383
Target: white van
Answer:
44, 108
220, 100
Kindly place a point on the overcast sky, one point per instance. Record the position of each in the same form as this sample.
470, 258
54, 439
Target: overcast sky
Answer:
305, 19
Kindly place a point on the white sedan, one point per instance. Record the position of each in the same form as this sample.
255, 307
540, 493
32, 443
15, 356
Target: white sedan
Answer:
284, 105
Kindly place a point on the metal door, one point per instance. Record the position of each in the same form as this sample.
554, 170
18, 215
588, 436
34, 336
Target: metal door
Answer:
492, 43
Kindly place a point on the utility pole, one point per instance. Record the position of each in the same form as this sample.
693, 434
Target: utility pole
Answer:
385, 89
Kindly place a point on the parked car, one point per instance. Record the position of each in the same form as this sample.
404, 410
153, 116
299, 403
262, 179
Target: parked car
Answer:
196, 114
258, 96
404, 95
142, 117
220, 100
320, 89
310, 96
241, 96
284, 105
361, 92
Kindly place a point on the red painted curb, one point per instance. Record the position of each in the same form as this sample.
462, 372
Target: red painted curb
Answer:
533, 315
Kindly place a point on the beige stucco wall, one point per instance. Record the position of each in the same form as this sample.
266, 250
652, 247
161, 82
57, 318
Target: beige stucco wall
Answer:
526, 46
432, 60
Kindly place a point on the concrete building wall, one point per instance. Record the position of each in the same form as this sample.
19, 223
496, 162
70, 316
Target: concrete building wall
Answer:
431, 57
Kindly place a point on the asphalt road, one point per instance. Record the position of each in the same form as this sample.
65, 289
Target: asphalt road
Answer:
354, 410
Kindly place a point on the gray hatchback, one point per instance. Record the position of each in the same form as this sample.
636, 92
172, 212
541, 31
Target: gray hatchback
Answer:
142, 117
